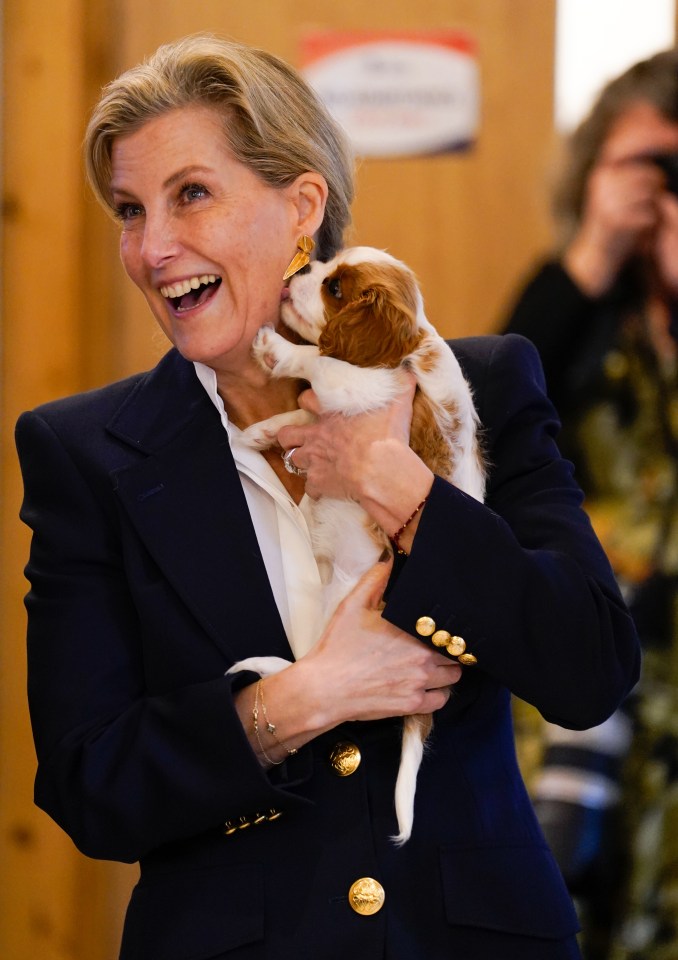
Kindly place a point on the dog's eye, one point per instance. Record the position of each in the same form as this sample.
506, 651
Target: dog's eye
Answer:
333, 285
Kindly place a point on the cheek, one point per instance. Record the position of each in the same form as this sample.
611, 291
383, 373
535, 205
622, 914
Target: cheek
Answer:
129, 256
133, 264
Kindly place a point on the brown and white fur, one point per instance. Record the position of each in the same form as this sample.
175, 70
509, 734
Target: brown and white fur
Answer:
363, 317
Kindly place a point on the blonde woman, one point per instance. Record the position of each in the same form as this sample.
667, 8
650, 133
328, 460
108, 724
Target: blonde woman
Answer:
164, 551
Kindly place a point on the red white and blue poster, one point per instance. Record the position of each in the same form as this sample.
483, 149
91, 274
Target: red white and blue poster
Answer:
397, 93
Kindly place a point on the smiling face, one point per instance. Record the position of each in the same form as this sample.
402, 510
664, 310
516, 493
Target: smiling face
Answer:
203, 237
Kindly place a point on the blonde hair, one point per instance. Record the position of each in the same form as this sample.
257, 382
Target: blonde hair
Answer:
273, 121
653, 81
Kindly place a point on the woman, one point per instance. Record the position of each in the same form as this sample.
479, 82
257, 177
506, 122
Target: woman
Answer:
163, 552
617, 214
602, 314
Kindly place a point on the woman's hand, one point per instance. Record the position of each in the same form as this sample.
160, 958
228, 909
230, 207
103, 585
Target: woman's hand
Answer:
621, 209
362, 668
365, 457
337, 451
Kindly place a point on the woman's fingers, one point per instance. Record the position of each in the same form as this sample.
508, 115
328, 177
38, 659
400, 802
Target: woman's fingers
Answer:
368, 592
376, 669
308, 401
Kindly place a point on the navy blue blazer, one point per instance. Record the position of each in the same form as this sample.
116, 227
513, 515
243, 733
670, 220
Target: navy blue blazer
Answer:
147, 582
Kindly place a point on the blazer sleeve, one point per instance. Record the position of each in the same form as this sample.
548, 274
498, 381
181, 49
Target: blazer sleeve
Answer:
121, 770
522, 578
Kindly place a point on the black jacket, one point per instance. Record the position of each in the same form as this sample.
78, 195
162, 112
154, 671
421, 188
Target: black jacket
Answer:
147, 583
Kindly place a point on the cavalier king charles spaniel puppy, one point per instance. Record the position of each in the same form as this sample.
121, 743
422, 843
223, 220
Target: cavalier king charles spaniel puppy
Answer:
362, 320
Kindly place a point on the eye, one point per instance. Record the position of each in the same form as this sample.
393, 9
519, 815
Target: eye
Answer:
128, 211
190, 192
333, 285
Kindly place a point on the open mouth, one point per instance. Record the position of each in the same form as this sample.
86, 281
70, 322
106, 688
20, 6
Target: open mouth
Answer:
188, 294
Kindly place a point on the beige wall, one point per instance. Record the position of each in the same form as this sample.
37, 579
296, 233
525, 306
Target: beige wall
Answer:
469, 225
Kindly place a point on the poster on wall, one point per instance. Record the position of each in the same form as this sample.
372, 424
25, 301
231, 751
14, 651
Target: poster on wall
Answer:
397, 93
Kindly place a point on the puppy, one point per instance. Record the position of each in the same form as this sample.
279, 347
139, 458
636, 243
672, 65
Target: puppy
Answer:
363, 318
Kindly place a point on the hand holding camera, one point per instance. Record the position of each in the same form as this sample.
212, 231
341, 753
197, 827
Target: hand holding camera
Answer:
625, 212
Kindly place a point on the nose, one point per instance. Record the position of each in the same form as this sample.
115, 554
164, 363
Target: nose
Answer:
159, 243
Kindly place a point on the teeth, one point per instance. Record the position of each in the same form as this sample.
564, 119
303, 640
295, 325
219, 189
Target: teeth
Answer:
185, 286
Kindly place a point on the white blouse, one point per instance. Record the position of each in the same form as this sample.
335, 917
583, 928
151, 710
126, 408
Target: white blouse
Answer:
282, 532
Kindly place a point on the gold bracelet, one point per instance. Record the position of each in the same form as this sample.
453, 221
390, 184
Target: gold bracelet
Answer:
270, 727
401, 530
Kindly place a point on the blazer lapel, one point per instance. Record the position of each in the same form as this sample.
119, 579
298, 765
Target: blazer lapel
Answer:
186, 501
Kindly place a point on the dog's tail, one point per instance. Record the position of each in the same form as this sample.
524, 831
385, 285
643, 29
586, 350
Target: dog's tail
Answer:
415, 731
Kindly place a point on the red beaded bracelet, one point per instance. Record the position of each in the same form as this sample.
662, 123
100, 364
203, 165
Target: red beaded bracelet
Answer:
398, 534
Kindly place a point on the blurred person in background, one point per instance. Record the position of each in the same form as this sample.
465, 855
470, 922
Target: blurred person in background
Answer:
603, 311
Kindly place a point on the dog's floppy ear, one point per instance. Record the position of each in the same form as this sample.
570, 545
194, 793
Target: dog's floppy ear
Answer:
378, 326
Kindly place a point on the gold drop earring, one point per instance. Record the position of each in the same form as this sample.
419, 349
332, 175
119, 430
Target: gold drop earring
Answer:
299, 260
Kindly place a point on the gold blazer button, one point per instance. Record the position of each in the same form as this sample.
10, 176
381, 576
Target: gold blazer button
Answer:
366, 896
425, 626
456, 646
441, 638
468, 659
344, 758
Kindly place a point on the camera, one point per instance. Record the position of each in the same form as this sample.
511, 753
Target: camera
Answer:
668, 162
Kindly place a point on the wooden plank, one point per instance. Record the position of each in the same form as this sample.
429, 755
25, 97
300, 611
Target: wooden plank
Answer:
41, 224
54, 904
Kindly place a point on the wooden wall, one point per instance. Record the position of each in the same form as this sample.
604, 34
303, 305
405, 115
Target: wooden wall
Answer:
469, 225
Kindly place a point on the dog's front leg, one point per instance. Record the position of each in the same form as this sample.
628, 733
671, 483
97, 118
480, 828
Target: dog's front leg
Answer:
264, 434
282, 358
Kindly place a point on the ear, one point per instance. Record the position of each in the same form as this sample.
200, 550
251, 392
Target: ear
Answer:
389, 312
377, 329
308, 194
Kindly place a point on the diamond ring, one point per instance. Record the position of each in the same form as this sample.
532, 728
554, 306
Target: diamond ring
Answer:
289, 466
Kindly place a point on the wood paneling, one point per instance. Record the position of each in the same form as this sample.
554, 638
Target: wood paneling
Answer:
54, 904
41, 351
468, 224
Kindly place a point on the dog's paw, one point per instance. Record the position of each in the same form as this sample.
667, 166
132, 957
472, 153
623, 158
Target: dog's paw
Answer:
263, 347
264, 434
259, 436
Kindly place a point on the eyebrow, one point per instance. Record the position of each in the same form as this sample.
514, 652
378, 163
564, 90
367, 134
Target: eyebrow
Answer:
175, 178
192, 168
